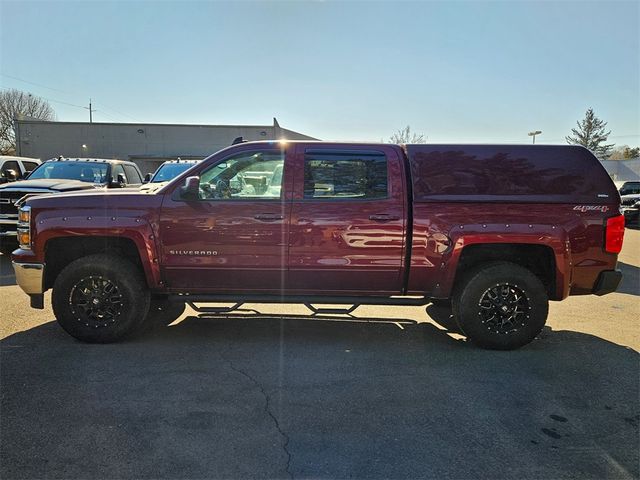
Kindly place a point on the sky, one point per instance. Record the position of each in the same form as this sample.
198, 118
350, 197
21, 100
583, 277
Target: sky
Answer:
458, 71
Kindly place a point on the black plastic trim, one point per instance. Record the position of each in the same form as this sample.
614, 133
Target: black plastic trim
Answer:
607, 282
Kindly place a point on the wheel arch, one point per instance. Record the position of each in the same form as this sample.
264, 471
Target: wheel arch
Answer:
60, 251
540, 259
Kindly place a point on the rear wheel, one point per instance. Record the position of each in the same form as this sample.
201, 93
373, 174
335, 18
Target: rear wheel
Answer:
100, 298
501, 306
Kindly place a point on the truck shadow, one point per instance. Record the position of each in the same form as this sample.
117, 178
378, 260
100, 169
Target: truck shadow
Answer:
278, 397
7, 276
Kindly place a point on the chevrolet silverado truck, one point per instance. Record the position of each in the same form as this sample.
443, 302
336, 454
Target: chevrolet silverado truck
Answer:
497, 230
61, 175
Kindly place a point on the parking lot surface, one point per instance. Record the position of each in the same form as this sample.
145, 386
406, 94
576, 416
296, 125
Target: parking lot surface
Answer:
279, 394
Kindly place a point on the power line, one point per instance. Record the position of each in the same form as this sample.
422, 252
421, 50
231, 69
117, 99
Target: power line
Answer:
67, 93
116, 111
33, 83
52, 100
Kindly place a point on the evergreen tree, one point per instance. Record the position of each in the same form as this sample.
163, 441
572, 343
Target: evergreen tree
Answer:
592, 135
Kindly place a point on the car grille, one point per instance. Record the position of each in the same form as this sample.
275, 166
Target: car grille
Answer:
8, 200
627, 202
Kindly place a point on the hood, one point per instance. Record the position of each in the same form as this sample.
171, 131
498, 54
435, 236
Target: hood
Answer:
153, 187
54, 184
101, 200
629, 198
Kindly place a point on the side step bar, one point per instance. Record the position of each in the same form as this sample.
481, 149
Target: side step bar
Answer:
307, 301
303, 299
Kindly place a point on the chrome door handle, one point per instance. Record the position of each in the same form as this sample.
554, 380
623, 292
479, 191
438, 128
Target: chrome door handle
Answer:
268, 217
383, 217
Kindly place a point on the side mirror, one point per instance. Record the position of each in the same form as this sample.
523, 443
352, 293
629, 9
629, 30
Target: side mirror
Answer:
191, 188
147, 178
10, 175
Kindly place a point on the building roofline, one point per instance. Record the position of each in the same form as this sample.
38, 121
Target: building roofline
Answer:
138, 124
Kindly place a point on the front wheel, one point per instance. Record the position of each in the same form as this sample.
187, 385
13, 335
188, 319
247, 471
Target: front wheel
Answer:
501, 306
100, 298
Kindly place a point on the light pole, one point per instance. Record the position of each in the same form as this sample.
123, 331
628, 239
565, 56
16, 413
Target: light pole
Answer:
533, 134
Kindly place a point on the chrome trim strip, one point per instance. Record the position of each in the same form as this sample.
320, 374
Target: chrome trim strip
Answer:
30, 277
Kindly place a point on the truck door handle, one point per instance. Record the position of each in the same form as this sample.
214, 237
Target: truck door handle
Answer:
268, 217
383, 217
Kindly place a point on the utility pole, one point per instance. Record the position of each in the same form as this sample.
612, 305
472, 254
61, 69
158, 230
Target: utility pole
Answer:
533, 134
91, 110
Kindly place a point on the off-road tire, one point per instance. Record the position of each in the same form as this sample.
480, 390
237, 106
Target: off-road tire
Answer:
163, 312
116, 284
500, 306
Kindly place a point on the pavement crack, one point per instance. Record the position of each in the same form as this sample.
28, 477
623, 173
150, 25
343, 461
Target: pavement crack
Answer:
267, 410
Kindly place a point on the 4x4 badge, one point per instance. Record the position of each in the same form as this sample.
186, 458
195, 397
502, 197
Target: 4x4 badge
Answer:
591, 208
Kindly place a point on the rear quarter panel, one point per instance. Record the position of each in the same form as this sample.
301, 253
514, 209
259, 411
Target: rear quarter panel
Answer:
443, 230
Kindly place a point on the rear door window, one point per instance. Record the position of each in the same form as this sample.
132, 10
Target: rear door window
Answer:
29, 166
345, 175
132, 174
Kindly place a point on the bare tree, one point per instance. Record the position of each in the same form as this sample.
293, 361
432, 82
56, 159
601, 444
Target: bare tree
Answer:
406, 136
14, 104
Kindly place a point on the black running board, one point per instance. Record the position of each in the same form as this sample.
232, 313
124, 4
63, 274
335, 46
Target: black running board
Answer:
302, 299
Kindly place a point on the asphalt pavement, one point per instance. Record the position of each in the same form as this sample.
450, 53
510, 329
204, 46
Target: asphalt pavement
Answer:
279, 394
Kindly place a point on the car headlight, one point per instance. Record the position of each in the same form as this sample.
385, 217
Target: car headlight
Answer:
24, 227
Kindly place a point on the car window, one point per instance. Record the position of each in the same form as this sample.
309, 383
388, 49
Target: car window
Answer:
118, 170
246, 175
169, 171
11, 165
358, 176
92, 172
630, 188
29, 166
132, 174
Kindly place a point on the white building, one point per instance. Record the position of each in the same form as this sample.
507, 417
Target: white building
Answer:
147, 144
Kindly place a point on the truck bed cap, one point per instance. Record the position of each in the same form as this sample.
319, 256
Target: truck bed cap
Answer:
520, 173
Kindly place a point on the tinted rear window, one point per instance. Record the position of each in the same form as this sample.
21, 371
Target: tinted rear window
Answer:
510, 173
331, 175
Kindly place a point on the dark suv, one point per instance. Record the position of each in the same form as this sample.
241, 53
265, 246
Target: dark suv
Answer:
61, 175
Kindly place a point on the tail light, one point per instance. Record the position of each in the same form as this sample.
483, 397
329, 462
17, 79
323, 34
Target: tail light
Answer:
614, 233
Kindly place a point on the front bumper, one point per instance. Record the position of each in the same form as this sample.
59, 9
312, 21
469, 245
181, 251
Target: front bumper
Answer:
30, 277
607, 282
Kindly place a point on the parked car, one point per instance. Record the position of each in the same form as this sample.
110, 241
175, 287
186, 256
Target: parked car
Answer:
630, 207
16, 168
498, 229
630, 188
165, 173
61, 175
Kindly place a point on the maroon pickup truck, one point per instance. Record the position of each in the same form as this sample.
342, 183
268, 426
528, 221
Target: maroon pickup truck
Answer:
497, 230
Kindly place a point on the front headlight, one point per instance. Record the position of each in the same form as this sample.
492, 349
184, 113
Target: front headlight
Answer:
24, 227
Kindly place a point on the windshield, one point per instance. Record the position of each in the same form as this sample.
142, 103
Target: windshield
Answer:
630, 188
91, 172
169, 171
